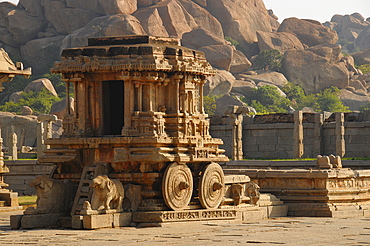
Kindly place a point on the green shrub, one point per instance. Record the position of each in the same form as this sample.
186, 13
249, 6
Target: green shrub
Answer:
40, 102
268, 60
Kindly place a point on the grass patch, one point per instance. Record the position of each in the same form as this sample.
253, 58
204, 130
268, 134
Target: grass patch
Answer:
27, 200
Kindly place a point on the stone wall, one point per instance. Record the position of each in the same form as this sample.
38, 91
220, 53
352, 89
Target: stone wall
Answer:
22, 172
272, 136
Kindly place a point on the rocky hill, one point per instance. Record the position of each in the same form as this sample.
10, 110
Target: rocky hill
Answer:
35, 31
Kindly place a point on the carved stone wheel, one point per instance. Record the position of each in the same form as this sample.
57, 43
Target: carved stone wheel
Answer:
177, 186
211, 186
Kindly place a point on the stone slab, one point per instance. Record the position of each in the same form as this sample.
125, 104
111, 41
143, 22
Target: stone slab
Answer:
41, 220
122, 219
96, 221
15, 221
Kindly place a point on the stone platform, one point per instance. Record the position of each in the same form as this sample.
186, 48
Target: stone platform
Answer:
268, 207
340, 192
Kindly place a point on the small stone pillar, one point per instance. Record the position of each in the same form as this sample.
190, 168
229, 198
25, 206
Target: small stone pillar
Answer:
340, 144
317, 142
3, 168
44, 131
13, 150
235, 114
298, 149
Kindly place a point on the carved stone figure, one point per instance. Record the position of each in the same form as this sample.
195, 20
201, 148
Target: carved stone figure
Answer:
107, 194
53, 196
253, 192
336, 161
323, 162
237, 192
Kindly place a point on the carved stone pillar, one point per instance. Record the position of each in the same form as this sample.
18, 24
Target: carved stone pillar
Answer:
44, 131
3, 167
340, 144
317, 144
235, 114
13, 150
298, 148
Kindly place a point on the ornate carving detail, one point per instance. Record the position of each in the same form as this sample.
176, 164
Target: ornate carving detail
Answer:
211, 186
107, 193
177, 186
53, 196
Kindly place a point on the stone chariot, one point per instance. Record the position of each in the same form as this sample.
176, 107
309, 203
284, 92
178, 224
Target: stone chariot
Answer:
139, 113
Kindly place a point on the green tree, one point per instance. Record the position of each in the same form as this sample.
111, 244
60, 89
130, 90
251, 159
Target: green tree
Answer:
268, 97
328, 100
268, 60
293, 92
40, 102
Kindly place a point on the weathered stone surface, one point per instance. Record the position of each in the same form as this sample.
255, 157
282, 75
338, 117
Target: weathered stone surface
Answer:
60, 108
112, 7
104, 26
23, 26
309, 32
350, 34
41, 53
32, 6
226, 101
39, 84
175, 19
313, 72
353, 100
271, 77
200, 37
362, 57
281, 41
53, 13
15, 96
363, 40
145, 3
27, 110
221, 83
244, 88
151, 22
73, 19
92, 5
241, 19
359, 86
7, 38
23, 126
5, 8
219, 56
331, 52
273, 21
239, 62
203, 18
353, 21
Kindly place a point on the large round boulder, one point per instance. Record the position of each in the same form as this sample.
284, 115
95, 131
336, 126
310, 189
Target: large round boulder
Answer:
110, 25
362, 57
363, 40
309, 32
219, 56
23, 26
313, 72
39, 84
220, 84
41, 53
281, 41
241, 20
